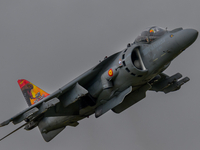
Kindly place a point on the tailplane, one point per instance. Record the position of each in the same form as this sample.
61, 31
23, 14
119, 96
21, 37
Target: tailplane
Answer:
51, 134
32, 93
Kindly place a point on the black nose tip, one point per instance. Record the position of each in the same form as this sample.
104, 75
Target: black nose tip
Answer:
192, 34
186, 37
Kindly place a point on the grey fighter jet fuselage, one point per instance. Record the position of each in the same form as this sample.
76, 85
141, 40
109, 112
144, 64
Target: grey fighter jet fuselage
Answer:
116, 83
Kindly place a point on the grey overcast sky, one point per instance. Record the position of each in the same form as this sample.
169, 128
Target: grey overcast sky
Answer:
50, 42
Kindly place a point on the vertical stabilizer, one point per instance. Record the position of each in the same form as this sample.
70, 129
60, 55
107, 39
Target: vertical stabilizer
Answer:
32, 93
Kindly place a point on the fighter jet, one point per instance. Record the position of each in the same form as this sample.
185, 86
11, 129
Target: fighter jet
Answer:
116, 83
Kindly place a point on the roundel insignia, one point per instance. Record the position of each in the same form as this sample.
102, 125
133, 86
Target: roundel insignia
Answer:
120, 62
110, 72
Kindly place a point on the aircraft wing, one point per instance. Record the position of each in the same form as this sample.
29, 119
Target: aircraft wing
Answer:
43, 105
166, 84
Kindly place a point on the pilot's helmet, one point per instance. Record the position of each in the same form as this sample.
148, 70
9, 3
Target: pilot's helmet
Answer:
150, 35
156, 31
153, 30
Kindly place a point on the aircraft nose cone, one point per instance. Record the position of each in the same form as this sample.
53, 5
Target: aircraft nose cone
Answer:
186, 37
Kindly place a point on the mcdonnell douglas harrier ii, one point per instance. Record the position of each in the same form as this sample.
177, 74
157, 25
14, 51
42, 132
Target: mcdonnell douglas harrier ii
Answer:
116, 83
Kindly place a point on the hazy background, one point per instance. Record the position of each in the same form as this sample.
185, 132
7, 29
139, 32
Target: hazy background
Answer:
50, 42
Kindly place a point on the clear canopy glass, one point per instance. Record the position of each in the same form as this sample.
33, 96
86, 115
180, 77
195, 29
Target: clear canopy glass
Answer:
150, 35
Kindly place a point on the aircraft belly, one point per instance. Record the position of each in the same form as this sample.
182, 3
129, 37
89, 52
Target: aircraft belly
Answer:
112, 103
132, 98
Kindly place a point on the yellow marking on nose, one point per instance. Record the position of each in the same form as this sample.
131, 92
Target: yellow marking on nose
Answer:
155, 59
163, 55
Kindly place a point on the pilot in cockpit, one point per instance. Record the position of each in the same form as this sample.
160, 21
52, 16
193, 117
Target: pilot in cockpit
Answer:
150, 35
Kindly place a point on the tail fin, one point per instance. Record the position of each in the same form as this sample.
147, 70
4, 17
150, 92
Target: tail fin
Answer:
32, 93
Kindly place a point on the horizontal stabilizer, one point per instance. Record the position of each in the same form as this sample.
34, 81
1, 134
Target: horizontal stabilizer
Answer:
4, 123
14, 131
51, 134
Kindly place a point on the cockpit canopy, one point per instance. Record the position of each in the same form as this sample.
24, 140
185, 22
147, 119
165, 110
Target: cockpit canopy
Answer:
150, 35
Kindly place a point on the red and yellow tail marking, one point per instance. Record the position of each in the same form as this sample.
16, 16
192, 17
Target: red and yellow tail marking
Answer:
32, 93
